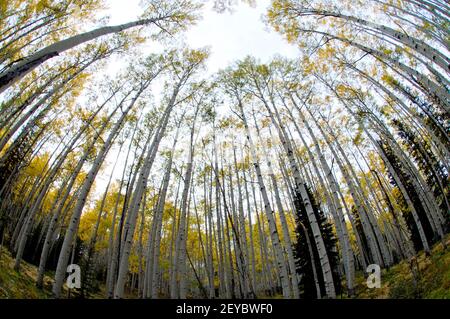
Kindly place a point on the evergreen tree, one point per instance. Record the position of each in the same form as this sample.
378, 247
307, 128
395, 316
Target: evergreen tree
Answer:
412, 192
303, 250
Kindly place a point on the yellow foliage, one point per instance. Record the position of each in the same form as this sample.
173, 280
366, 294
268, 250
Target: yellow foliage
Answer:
37, 165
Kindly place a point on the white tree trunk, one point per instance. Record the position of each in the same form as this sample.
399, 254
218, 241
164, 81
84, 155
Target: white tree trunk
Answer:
75, 218
20, 69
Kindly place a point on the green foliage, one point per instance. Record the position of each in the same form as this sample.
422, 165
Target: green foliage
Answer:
303, 249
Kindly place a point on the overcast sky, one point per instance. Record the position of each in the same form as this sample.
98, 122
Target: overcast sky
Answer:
231, 36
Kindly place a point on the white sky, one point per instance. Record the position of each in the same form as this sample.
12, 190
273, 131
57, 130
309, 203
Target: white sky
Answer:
230, 36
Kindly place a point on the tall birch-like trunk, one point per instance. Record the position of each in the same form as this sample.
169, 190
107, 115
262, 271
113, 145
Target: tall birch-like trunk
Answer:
138, 194
87, 184
29, 63
287, 293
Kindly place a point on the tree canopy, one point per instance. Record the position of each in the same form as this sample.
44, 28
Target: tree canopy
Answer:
284, 177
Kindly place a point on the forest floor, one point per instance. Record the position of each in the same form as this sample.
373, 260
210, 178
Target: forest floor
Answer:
20, 285
432, 279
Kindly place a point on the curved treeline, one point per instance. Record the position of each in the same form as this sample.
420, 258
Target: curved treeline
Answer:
286, 177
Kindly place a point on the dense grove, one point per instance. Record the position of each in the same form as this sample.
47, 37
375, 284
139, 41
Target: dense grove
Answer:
287, 177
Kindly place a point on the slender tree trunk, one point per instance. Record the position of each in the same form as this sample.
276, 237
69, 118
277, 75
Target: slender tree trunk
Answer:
26, 65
